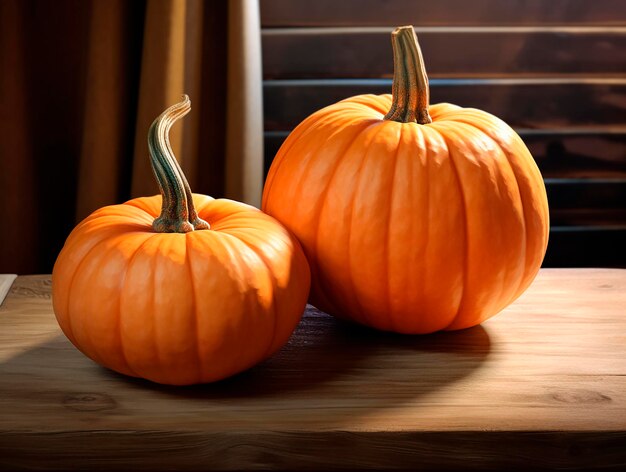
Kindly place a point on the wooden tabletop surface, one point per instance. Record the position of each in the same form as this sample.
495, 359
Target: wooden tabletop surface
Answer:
543, 384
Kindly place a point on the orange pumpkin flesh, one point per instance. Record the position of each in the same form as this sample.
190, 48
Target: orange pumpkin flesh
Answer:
179, 308
414, 218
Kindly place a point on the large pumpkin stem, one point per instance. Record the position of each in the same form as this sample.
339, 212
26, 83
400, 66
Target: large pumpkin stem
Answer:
410, 91
178, 214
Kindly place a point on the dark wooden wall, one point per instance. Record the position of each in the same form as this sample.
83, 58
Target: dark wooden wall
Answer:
554, 70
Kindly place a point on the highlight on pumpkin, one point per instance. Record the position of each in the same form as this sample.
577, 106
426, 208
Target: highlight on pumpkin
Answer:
431, 217
145, 289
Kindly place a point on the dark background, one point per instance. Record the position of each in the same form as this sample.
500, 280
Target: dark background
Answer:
80, 83
554, 70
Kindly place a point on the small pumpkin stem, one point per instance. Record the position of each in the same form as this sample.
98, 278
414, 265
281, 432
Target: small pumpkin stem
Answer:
178, 214
410, 93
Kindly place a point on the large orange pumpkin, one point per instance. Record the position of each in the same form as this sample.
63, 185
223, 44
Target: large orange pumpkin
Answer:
414, 217
205, 290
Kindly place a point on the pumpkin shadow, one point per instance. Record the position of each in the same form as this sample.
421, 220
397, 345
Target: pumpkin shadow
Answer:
335, 366
327, 359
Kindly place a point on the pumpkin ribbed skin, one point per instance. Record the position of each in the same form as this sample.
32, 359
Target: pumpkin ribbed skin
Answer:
409, 227
179, 308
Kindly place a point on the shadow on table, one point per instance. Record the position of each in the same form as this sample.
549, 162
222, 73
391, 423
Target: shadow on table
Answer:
327, 362
327, 358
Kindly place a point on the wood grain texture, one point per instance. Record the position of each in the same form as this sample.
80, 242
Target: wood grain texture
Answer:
442, 12
307, 53
541, 384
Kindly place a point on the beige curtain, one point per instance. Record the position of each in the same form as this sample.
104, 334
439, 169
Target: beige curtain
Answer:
244, 168
86, 81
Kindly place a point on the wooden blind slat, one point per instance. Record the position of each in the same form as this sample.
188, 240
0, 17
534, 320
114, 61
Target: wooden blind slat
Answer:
366, 53
524, 104
441, 12
586, 246
586, 193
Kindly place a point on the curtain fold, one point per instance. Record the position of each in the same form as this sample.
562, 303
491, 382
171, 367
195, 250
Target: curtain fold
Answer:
16, 153
244, 139
108, 106
161, 84
83, 80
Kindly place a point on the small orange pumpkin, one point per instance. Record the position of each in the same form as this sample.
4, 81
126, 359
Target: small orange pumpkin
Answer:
414, 218
189, 297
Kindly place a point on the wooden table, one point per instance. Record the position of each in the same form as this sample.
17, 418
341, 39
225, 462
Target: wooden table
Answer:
541, 385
